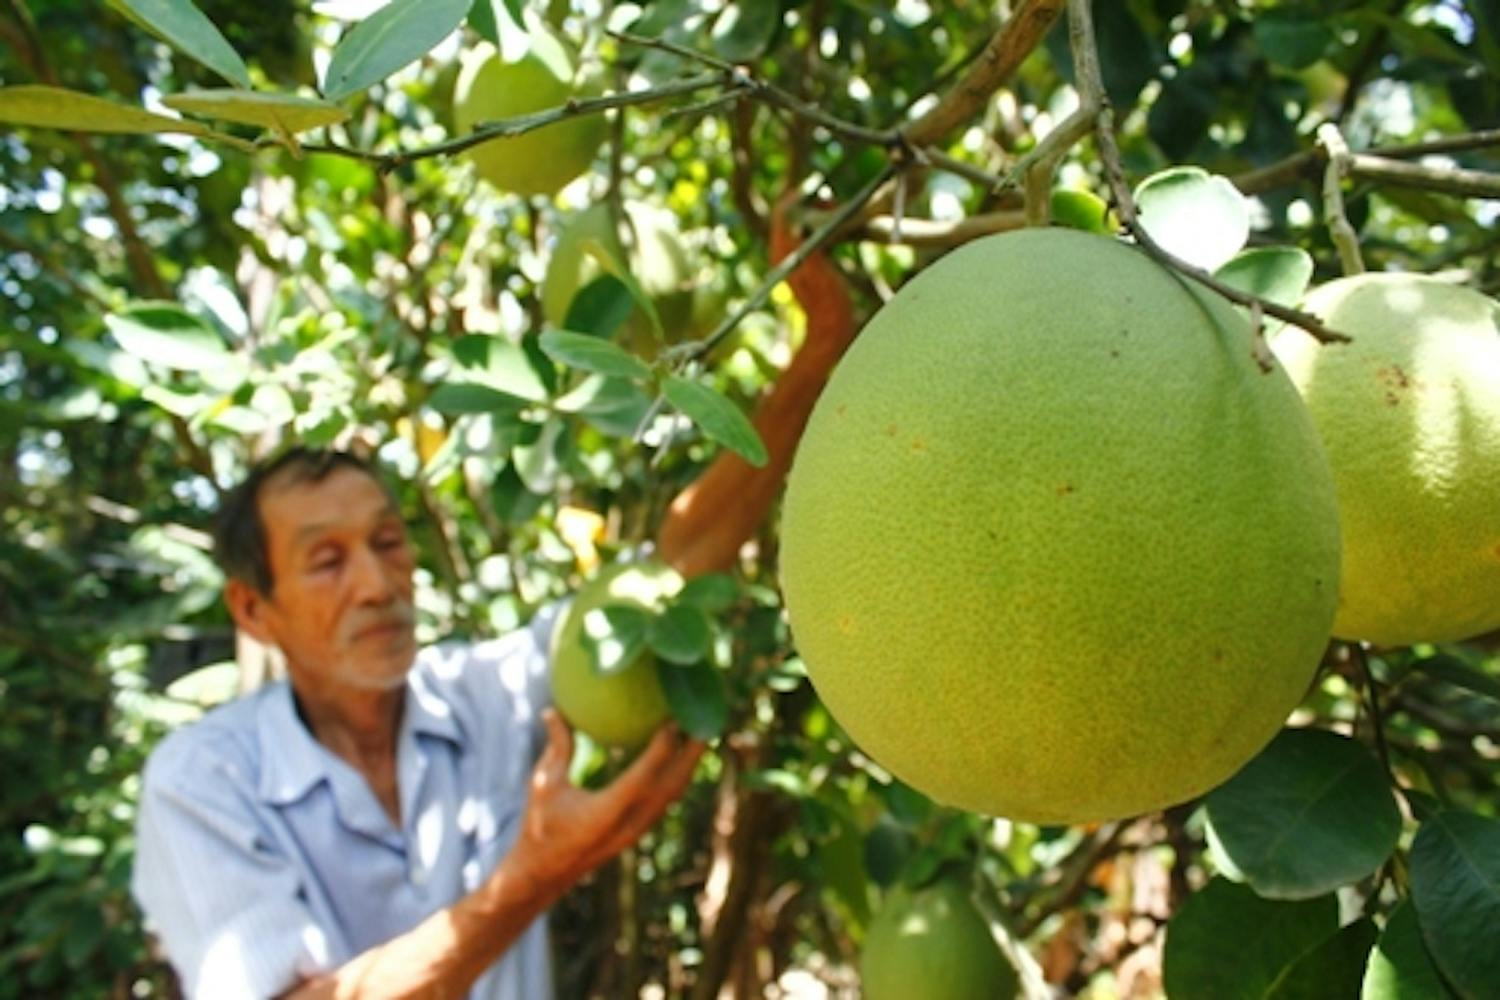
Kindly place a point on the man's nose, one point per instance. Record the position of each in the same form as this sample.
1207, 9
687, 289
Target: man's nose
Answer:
372, 580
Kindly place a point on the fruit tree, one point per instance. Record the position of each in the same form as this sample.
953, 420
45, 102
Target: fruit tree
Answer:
1130, 628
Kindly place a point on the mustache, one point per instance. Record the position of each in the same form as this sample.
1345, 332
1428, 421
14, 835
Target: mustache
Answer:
403, 616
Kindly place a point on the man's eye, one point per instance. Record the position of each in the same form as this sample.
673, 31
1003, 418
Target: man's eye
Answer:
324, 562
390, 541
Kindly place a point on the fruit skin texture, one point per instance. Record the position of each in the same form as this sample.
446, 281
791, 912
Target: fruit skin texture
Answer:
624, 707
1410, 417
1054, 547
541, 161
657, 260
933, 944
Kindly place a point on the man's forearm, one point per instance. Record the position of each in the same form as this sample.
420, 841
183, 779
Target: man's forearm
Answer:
443, 956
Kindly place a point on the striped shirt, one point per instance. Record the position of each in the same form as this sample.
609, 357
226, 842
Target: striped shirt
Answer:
263, 858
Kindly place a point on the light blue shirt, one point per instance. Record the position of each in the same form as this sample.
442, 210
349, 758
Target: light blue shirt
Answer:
263, 858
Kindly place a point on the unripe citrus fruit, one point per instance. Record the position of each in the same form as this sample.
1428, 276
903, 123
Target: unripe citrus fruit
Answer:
933, 943
541, 161
1410, 417
1054, 546
624, 706
656, 259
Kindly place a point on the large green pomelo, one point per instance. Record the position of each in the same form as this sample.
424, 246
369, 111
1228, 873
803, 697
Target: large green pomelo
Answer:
1410, 417
1054, 546
541, 161
933, 944
657, 260
624, 707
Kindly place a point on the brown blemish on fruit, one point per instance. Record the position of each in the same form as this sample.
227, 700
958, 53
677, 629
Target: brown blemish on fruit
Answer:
892, 430
841, 408
918, 444
1066, 489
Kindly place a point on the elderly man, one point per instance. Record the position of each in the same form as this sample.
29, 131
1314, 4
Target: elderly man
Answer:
393, 822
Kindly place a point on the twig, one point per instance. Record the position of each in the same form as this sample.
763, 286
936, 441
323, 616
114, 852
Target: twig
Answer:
933, 233
1114, 172
1345, 239
1020, 34
686, 352
1300, 164
1377, 719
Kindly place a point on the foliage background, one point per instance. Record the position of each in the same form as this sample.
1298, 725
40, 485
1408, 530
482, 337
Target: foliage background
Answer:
345, 297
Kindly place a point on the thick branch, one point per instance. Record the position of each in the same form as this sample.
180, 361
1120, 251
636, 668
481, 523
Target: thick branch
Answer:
1022, 32
932, 233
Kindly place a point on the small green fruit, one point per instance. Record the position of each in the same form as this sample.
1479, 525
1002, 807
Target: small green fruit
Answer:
933, 944
624, 707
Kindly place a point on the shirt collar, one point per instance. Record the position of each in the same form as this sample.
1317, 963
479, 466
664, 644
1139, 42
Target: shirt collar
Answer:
294, 761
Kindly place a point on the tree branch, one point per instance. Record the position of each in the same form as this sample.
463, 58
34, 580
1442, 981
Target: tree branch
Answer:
1021, 33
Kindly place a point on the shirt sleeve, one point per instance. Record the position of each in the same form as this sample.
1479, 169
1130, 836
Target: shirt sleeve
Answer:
225, 906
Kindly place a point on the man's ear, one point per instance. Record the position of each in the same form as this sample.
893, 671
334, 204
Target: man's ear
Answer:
248, 607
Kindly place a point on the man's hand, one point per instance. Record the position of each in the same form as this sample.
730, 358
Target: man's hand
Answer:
568, 831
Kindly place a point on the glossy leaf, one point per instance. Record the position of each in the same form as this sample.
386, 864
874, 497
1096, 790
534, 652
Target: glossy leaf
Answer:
1400, 967
713, 593
744, 29
1082, 210
394, 36
617, 270
1194, 215
1311, 812
165, 334
1334, 968
697, 698
181, 24
1455, 884
282, 113
1277, 274
1460, 674
681, 634
457, 398
600, 308
718, 417
614, 636
1227, 943
57, 107
592, 354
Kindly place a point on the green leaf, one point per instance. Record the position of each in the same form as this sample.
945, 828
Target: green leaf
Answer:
394, 36
601, 307
1290, 40
681, 635
1311, 812
591, 354
616, 269
539, 459
1194, 215
1400, 967
188, 29
166, 334
1080, 210
616, 406
615, 636
1458, 673
744, 29
887, 847
1227, 943
1334, 968
713, 593
697, 699
281, 113
55, 107
1455, 884
1278, 274
501, 365
456, 398
718, 417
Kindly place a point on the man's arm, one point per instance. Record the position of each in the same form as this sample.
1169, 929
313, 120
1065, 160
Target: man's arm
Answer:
709, 521
566, 832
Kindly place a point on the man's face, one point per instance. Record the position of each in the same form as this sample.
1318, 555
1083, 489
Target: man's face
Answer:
340, 605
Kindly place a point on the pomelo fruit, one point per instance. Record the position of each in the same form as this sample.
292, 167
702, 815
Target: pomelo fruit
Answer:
1054, 546
655, 258
933, 943
1410, 417
541, 161
624, 707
